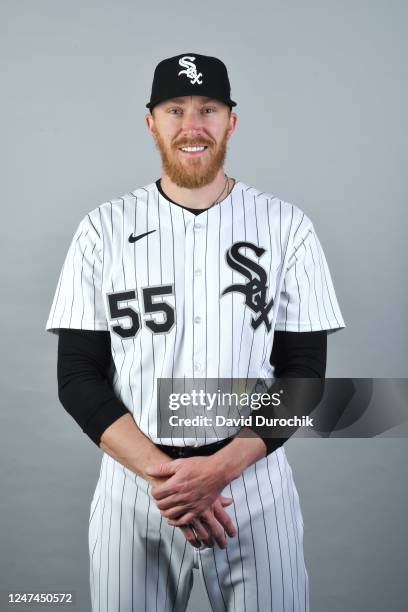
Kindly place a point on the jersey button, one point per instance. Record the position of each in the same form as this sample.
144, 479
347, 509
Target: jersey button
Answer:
198, 272
197, 366
198, 226
197, 319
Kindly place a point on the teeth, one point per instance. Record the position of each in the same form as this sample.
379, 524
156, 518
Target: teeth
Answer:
192, 148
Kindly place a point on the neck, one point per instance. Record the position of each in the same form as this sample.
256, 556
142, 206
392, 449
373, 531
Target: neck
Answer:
200, 198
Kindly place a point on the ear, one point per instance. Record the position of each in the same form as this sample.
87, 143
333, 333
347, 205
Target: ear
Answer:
233, 118
149, 121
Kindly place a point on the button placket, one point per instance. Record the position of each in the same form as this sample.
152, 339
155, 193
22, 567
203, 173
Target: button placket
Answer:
188, 296
199, 296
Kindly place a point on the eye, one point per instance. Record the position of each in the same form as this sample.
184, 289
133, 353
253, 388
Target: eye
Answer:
177, 109
209, 108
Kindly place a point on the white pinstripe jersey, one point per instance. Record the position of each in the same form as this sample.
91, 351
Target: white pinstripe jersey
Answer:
199, 295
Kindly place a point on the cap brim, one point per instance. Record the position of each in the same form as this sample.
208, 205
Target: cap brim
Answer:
150, 104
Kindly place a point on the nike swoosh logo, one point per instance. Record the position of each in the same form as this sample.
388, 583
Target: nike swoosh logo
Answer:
133, 238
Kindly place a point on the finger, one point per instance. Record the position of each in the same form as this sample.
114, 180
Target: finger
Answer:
208, 540
182, 520
200, 530
179, 512
225, 520
171, 492
226, 501
162, 491
205, 538
216, 530
190, 536
170, 502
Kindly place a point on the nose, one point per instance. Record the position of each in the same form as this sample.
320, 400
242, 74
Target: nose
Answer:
192, 121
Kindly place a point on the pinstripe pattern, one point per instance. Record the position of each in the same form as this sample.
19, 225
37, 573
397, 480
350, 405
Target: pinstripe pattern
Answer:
263, 567
137, 561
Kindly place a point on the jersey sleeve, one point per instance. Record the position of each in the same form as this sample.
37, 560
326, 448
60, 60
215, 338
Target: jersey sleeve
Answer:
78, 299
308, 301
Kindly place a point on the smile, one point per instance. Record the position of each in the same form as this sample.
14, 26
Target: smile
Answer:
193, 151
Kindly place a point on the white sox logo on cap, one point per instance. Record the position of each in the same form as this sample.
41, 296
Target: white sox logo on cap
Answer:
190, 69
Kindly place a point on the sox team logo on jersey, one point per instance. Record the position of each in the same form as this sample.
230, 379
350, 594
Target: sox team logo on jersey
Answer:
190, 71
255, 289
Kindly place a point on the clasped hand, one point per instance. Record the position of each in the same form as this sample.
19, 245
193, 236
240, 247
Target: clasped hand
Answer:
190, 495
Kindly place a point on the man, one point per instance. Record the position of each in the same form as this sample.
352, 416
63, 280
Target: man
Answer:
194, 276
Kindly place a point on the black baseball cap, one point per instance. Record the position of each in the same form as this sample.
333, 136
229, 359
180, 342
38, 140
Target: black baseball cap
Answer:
190, 74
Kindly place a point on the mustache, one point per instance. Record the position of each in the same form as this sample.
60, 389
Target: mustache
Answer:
193, 143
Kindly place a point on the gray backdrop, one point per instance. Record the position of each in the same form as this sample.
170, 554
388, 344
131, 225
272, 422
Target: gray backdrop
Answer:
322, 123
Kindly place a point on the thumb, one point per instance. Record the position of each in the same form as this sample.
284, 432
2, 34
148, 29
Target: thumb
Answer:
162, 469
226, 501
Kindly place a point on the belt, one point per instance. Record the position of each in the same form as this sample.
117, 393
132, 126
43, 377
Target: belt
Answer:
192, 451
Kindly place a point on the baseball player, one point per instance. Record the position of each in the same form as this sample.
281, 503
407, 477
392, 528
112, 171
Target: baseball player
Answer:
193, 276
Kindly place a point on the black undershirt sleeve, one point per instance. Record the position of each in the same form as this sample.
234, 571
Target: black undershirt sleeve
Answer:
296, 355
84, 388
